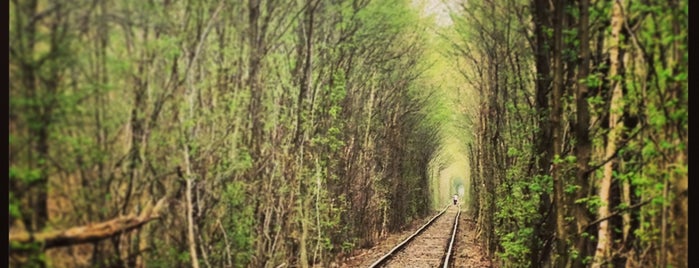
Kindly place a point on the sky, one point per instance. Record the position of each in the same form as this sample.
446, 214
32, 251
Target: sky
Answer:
438, 8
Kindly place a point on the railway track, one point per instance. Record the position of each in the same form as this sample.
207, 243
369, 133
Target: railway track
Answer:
430, 246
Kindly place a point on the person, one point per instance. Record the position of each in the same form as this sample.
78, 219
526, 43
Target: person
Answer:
456, 198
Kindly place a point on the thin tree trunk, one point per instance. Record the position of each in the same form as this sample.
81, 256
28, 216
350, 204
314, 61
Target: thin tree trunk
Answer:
602, 253
556, 116
543, 140
190, 220
583, 146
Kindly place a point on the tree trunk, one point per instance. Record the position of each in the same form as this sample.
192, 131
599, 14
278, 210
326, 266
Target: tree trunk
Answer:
556, 124
602, 253
544, 148
583, 146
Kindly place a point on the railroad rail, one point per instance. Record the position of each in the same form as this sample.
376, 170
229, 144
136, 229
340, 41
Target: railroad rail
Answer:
430, 246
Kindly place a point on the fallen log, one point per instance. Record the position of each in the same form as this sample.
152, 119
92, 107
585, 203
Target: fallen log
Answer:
89, 233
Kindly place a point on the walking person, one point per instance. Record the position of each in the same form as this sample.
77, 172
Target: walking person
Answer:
456, 199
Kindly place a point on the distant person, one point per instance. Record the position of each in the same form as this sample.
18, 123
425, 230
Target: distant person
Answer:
456, 199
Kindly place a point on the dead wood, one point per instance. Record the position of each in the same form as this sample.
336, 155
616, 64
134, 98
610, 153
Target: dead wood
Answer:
91, 232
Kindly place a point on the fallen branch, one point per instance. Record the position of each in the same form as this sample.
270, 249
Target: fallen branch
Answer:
91, 232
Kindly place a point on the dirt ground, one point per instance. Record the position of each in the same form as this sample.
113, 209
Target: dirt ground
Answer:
365, 257
468, 252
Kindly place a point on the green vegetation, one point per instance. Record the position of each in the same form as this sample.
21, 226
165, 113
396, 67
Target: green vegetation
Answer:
578, 153
275, 133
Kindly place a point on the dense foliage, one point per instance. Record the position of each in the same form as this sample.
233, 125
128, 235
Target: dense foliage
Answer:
272, 133
278, 132
579, 151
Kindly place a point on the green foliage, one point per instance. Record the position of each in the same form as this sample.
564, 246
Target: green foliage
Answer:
386, 18
515, 249
36, 257
171, 257
389, 106
25, 175
239, 222
14, 207
128, 98
592, 203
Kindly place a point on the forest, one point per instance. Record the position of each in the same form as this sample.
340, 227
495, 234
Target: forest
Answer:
291, 133
579, 151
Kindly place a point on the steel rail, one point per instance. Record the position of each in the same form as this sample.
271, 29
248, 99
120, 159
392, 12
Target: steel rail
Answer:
451, 242
397, 248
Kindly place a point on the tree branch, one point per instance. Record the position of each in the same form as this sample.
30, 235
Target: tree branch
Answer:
91, 232
615, 214
622, 146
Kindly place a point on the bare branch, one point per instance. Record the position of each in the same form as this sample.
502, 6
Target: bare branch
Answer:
615, 213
